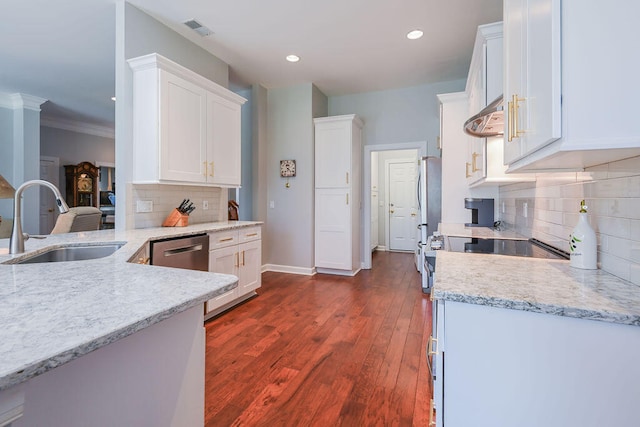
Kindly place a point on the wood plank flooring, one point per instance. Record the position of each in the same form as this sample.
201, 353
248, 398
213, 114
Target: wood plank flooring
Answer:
323, 351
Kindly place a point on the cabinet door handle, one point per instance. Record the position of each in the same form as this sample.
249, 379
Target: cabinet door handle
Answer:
347, 198
347, 177
212, 169
474, 157
228, 239
205, 169
237, 263
252, 235
433, 346
515, 132
466, 168
243, 258
432, 421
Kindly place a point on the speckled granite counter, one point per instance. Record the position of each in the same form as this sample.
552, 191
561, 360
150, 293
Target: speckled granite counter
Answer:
52, 313
538, 285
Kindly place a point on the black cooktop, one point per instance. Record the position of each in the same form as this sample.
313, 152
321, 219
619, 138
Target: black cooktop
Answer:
527, 248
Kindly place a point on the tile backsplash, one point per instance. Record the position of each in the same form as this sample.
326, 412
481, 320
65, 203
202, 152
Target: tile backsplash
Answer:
167, 197
547, 209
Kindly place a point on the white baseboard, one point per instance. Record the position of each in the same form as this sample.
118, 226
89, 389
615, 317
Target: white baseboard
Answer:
337, 272
381, 248
289, 269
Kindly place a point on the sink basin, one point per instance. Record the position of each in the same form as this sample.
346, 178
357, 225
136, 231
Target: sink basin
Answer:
70, 253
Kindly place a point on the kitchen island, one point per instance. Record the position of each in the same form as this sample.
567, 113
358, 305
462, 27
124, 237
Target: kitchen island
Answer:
104, 341
530, 342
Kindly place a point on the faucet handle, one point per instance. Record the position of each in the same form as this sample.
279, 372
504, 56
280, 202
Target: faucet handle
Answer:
36, 236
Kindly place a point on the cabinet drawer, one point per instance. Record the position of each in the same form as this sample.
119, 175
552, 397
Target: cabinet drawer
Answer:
249, 234
222, 239
221, 300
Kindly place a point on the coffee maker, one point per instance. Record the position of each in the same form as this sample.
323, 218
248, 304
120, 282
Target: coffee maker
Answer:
481, 212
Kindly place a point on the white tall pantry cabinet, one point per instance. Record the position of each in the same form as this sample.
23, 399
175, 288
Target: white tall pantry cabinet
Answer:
338, 158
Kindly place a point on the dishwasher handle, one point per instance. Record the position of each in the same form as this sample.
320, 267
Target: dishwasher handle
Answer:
183, 250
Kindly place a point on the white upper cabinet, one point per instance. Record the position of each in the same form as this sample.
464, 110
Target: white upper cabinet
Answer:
484, 165
186, 128
570, 77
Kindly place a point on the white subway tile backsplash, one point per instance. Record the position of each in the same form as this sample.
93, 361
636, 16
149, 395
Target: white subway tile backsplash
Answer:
612, 193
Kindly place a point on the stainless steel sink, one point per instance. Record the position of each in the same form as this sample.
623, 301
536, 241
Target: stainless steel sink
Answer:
70, 253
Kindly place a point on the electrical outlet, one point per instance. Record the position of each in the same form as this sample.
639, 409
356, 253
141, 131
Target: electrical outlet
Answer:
525, 208
205, 205
504, 208
272, 204
143, 206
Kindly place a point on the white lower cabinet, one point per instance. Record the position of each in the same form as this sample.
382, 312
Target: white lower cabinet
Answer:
504, 367
236, 252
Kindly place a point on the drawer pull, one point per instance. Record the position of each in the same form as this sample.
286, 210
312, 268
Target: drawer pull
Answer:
252, 235
228, 239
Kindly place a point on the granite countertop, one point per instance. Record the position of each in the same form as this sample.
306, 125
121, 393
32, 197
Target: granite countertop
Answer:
538, 285
52, 313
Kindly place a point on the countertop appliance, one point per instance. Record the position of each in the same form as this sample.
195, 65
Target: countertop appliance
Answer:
190, 252
481, 212
527, 248
430, 205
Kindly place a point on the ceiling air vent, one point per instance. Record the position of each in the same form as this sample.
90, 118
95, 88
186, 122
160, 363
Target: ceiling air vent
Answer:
198, 27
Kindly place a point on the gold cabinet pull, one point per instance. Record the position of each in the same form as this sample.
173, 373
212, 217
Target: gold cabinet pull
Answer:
212, 170
474, 166
237, 263
515, 131
432, 421
347, 198
466, 167
243, 258
252, 235
228, 239
205, 169
433, 346
413, 214
347, 177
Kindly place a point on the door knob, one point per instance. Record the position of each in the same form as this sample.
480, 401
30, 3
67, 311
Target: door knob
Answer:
49, 210
413, 214
391, 211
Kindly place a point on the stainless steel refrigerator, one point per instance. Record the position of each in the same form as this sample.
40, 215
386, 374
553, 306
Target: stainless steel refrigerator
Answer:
430, 204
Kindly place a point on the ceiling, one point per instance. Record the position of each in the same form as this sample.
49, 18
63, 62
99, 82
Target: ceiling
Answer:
64, 51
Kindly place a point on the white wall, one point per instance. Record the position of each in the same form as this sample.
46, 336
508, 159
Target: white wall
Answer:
290, 228
398, 116
612, 193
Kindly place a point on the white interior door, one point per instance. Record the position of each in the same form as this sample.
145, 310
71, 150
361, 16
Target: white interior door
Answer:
403, 206
49, 167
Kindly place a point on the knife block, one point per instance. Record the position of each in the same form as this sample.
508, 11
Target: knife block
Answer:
176, 219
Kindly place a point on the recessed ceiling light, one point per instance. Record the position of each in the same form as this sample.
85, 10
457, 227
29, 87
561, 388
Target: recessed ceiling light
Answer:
293, 58
415, 34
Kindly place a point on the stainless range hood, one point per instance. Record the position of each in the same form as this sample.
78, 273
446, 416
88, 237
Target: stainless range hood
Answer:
488, 122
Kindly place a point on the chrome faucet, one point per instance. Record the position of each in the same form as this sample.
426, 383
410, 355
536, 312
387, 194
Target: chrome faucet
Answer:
16, 243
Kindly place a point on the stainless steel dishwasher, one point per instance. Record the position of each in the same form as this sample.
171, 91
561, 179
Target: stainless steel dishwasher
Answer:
190, 252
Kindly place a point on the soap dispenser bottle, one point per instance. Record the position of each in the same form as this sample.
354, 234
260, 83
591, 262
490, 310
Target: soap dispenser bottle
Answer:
583, 247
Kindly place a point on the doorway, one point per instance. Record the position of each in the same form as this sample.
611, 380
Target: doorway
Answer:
375, 220
49, 171
401, 176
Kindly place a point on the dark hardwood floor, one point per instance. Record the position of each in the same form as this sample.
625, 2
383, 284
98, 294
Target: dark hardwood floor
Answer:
323, 351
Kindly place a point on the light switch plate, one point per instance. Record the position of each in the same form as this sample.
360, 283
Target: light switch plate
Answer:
143, 206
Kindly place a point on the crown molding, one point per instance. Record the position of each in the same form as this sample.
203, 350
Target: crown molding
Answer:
76, 126
15, 101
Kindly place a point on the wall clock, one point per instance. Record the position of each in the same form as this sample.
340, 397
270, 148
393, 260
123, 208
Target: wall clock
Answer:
287, 168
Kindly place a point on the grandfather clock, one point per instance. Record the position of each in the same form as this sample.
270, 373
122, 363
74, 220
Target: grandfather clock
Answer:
82, 184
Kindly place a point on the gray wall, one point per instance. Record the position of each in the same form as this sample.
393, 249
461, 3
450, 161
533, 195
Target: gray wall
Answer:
139, 34
245, 200
75, 147
290, 226
6, 157
401, 115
